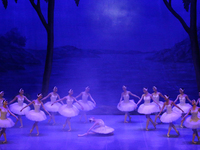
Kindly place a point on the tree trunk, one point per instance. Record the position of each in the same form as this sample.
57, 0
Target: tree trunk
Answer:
50, 47
194, 40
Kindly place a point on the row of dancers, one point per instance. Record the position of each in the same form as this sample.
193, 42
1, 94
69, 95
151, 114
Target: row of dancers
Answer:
126, 105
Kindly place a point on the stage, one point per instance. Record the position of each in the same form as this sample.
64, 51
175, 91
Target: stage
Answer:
127, 136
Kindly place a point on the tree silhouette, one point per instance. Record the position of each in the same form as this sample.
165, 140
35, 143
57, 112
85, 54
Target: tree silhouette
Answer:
189, 5
49, 26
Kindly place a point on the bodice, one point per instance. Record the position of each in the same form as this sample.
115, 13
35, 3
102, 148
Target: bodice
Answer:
84, 97
69, 101
147, 100
101, 122
182, 100
156, 97
53, 98
20, 100
126, 97
4, 112
169, 108
37, 107
194, 114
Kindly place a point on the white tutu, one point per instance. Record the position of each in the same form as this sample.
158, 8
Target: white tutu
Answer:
189, 123
15, 108
170, 117
36, 116
147, 108
126, 106
103, 130
6, 123
66, 111
54, 108
186, 107
87, 105
157, 109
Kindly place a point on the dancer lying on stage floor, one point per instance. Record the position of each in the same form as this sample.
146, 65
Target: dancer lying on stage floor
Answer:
169, 116
98, 127
193, 121
182, 104
87, 105
126, 105
156, 96
68, 110
147, 108
17, 106
4, 121
36, 115
52, 108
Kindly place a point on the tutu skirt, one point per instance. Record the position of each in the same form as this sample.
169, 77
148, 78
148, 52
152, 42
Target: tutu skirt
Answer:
186, 107
6, 123
103, 130
36, 116
15, 108
170, 117
157, 109
191, 123
147, 108
66, 111
88, 105
126, 106
54, 108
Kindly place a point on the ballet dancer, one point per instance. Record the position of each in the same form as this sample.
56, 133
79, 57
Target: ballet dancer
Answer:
52, 108
193, 121
169, 116
87, 105
16, 107
4, 121
126, 105
156, 95
98, 127
183, 105
68, 110
36, 115
147, 108
1, 98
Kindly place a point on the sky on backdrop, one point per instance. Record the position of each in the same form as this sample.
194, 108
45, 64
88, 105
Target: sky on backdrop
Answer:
141, 25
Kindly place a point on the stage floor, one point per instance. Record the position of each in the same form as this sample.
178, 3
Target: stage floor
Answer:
127, 136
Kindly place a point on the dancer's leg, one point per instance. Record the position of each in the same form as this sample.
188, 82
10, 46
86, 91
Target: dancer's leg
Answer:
20, 120
69, 124
193, 135
129, 116
173, 126
4, 134
36, 126
154, 124
33, 127
169, 129
125, 117
147, 123
53, 118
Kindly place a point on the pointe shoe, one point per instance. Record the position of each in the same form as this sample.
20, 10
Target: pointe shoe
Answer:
21, 126
168, 135
4, 142
125, 121
154, 125
53, 123
37, 133
193, 142
147, 129
69, 130
181, 126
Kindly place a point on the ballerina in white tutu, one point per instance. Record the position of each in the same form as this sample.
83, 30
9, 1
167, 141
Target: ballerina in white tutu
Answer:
36, 115
156, 95
4, 121
183, 105
87, 105
169, 116
193, 121
147, 108
68, 110
98, 127
126, 105
16, 107
52, 108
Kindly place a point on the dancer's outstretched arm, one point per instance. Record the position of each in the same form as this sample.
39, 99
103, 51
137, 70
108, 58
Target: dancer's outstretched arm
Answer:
59, 100
134, 95
160, 94
161, 110
186, 115
79, 95
188, 99
45, 110
176, 99
27, 105
92, 99
27, 99
12, 114
46, 97
78, 103
177, 106
140, 100
13, 100
88, 130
